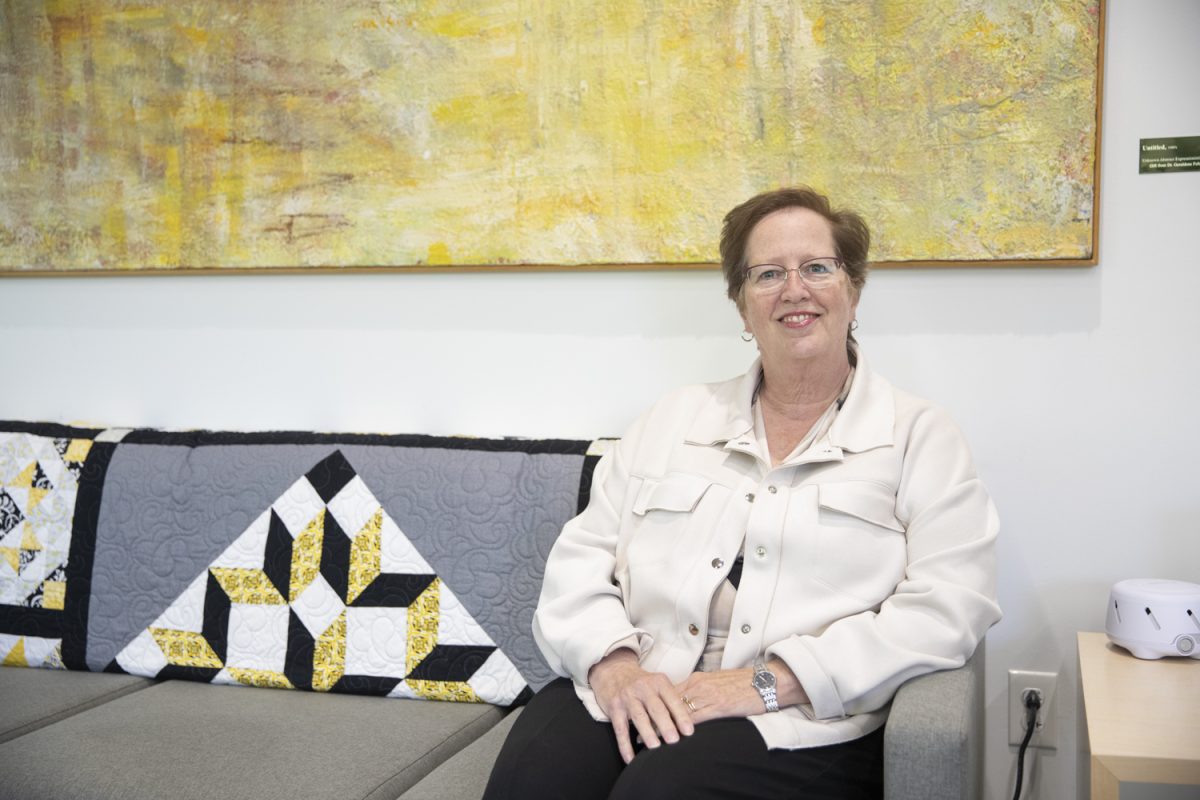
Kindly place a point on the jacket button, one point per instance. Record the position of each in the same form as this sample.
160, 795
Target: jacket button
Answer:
717, 563
693, 630
772, 489
745, 629
760, 551
750, 497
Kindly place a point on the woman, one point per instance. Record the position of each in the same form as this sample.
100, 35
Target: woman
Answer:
763, 561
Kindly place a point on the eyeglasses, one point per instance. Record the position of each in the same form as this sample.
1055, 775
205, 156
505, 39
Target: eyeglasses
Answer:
816, 272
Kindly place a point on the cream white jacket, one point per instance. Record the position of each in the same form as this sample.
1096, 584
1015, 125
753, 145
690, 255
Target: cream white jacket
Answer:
868, 558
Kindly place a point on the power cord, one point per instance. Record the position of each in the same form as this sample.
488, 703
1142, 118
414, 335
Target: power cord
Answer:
1033, 702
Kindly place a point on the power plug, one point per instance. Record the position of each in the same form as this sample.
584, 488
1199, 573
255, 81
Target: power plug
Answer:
1020, 684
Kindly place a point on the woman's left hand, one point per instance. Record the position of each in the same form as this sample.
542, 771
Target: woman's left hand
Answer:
727, 693
730, 693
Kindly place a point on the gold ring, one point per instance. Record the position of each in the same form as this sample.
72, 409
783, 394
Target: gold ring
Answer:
687, 701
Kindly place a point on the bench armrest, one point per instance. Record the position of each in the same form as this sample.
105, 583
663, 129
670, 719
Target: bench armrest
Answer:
933, 744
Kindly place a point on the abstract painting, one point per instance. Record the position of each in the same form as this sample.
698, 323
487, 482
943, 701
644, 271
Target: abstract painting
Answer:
363, 134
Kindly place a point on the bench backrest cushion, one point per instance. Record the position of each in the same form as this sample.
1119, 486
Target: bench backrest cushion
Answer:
402, 566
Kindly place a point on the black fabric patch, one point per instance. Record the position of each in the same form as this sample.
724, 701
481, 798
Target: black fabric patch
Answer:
331, 475
51, 430
40, 481
83, 554
298, 664
571, 447
451, 662
215, 628
365, 684
335, 557
277, 556
27, 621
393, 590
585, 482
10, 514
177, 673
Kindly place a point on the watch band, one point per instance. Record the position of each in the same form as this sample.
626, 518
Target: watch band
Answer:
764, 682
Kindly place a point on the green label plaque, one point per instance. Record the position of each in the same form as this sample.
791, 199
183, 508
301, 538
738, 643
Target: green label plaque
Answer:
1173, 154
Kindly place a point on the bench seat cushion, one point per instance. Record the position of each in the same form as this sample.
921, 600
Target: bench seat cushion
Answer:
201, 741
465, 775
34, 698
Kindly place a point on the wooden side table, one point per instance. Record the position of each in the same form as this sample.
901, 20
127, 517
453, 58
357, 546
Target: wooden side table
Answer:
1143, 717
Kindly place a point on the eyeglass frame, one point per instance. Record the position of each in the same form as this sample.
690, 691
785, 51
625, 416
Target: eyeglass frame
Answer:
751, 286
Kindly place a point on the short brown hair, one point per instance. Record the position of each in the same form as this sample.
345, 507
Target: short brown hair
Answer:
851, 235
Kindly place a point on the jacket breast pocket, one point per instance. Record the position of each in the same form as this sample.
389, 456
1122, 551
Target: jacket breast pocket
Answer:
664, 511
861, 547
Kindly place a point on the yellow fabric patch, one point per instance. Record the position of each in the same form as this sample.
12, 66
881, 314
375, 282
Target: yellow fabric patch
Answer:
329, 656
54, 595
78, 450
36, 496
423, 615
423, 625
29, 540
306, 555
265, 678
453, 691
364, 557
12, 557
185, 648
248, 586
25, 479
16, 656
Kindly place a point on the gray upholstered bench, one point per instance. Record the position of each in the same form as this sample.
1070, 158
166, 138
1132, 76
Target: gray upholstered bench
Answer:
140, 567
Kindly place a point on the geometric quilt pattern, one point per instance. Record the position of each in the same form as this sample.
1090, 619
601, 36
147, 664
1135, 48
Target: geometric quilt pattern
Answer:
39, 479
324, 592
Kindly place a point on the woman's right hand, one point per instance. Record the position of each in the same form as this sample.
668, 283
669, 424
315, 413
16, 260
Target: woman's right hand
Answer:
649, 701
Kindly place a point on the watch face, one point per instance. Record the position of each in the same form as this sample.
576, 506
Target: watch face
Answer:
764, 680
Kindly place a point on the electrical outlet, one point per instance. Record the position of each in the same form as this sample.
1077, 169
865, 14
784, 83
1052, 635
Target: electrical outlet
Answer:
1045, 732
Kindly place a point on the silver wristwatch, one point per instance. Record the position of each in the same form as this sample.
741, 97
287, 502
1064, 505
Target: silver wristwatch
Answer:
764, 682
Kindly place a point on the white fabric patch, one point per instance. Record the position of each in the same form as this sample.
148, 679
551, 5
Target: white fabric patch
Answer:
298, 506
142, 656
257, 637
318, 606
353, 507
455, 623
403, 690
246, 551
376, 642
187, 612
497, 681
397, 553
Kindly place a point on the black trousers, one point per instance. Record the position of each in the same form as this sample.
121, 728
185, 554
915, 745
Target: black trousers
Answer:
556, 750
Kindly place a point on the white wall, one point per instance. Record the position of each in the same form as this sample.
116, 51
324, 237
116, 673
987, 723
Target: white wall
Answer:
1076, 387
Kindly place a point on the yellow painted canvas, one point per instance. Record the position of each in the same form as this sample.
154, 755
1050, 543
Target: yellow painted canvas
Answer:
222, 134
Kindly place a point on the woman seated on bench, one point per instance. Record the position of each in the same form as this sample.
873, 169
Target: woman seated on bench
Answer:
764, 561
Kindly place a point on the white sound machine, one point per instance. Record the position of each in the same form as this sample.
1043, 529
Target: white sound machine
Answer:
1155, 618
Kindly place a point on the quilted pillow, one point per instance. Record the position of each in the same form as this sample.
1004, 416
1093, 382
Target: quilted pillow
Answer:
40, 468
403, 566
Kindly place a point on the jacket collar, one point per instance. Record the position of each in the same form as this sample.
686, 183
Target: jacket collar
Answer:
866, 420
